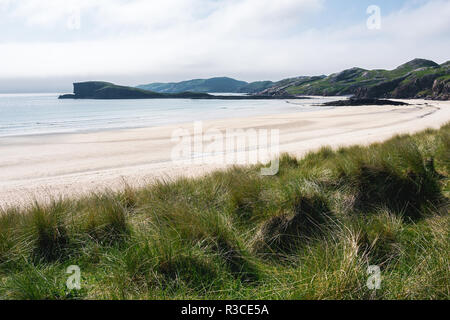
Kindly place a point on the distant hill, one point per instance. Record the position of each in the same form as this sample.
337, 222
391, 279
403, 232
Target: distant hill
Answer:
222, 84
418, 78
217, 85
107, 90
254, 87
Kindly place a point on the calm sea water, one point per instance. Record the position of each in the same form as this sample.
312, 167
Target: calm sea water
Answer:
30, 114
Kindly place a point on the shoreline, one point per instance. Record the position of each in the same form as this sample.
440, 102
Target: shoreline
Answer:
75, 164
168, 120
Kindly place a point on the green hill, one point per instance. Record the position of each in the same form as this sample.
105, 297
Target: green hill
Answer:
418, 78
217, 85
221, 84
255, 87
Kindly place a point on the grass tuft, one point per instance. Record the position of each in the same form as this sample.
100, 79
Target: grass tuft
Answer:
309, 232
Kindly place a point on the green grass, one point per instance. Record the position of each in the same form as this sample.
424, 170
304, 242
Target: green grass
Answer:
444, 78
308, 233
407, 74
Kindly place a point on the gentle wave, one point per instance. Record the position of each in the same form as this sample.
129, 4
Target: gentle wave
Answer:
29, 114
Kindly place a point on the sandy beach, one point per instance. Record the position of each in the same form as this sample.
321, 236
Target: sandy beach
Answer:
45, 166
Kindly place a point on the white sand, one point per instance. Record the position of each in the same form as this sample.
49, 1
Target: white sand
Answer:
41, 167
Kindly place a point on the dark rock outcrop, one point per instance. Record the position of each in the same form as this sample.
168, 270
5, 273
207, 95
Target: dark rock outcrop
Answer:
441, 89
414, 86
364, 102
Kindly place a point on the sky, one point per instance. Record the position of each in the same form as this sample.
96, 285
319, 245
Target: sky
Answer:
45, 45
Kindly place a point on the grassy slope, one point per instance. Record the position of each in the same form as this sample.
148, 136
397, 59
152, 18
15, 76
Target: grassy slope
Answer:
223, 84
349, 81
255, 87
308, 233
220, 84
107, 90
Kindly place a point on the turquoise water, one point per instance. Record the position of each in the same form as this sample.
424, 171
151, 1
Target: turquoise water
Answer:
30, 114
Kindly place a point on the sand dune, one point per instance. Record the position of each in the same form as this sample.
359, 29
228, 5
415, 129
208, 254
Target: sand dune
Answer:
41, 167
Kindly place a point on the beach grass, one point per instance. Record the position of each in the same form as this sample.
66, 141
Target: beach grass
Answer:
310, 232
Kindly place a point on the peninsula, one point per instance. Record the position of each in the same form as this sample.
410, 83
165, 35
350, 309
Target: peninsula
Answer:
107, 90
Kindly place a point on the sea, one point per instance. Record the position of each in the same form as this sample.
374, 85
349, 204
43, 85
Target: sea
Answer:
38, 114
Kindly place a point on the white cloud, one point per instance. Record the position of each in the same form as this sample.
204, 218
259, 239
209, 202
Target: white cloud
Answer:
179, 39
217, 14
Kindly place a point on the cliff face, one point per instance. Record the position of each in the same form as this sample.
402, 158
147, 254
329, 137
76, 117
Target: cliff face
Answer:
441, 89
380, 90
414, 86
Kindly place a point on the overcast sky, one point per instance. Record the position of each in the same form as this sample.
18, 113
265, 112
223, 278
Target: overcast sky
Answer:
45, 45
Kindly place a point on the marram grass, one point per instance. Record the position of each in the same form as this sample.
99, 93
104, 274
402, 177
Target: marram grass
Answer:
308, 233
